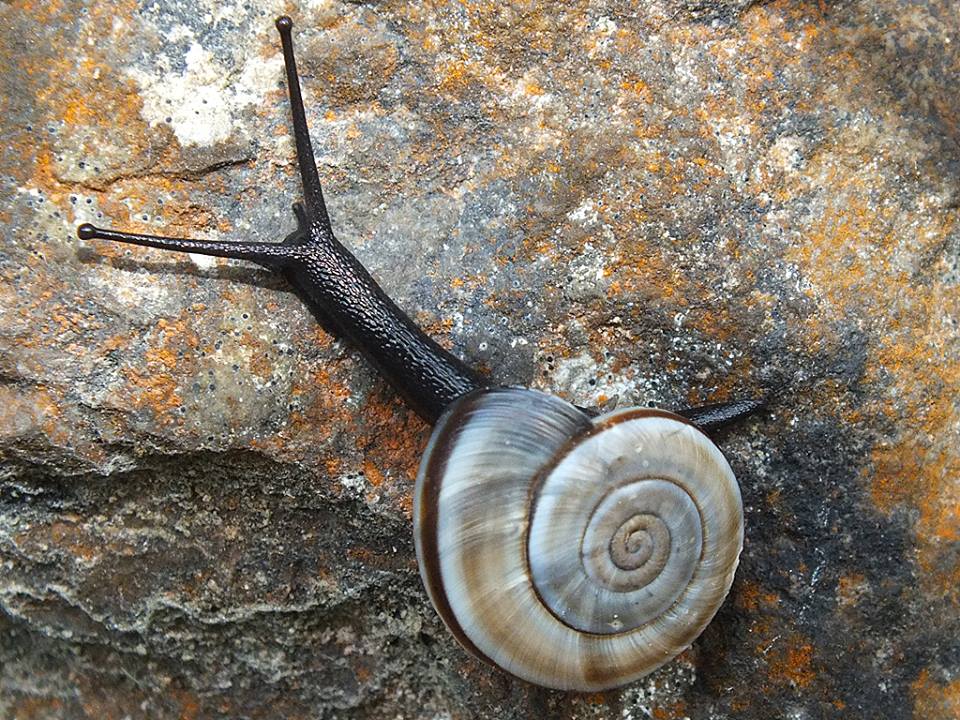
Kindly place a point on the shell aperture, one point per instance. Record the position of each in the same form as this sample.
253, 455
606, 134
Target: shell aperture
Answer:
574, 552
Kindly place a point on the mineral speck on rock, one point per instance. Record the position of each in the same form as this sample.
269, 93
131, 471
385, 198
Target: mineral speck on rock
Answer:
205, 500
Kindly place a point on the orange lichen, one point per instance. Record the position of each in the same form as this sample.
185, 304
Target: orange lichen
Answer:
46, 12
156, 391
163, 356
919, 467
792, 662
37, 409
855, 256
750, 596
155, 385
36, 707
850, 588
372, 473
933, 700
533, 88
456, 76
675, 710
67, 535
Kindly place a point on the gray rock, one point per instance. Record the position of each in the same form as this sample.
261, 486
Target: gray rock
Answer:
205, 501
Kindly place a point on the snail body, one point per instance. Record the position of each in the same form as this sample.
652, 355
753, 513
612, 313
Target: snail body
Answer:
573, 550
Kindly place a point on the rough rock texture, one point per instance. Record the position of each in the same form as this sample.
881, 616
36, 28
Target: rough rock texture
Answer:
205, 500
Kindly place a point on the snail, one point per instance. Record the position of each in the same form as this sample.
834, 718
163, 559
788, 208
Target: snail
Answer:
572, 549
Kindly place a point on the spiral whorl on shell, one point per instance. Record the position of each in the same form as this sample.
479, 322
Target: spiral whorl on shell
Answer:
576, 553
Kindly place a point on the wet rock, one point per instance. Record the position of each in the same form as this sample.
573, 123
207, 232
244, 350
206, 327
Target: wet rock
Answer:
205, 500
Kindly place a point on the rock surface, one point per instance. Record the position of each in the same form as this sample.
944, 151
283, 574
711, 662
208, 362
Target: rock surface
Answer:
205, 501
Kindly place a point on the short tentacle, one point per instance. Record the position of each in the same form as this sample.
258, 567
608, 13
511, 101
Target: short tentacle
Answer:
303, 222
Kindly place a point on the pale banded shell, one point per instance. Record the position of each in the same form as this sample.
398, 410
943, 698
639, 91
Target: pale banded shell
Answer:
576, 553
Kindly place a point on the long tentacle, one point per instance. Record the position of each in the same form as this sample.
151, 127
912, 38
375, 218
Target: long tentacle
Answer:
269, 255
312, 192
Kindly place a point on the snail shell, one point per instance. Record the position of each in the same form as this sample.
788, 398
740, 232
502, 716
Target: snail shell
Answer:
573, 552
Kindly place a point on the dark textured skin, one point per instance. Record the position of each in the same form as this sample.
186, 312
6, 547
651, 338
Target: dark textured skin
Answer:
717, 416
337, 287
340, 292
349, 303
